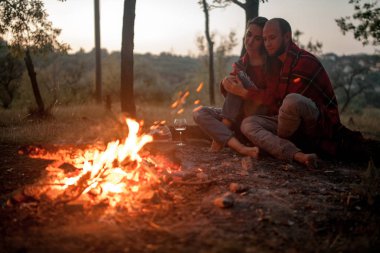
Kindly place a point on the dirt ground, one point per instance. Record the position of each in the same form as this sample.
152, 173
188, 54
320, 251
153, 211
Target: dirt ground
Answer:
282, 208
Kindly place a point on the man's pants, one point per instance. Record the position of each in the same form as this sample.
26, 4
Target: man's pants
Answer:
272, 134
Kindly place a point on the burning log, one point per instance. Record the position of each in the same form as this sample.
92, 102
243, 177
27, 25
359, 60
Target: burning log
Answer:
115, 175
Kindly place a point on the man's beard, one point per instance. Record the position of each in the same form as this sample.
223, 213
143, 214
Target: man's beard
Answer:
280, 51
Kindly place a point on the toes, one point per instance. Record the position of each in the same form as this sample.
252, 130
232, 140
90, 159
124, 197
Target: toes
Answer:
312, 162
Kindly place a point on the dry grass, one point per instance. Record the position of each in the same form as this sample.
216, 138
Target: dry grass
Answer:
89, 123
66, 125
79, 124
368, 122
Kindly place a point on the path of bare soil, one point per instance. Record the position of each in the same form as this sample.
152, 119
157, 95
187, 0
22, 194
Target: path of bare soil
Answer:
283, 208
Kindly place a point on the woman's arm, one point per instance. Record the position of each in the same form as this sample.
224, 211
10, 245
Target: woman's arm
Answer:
233, 85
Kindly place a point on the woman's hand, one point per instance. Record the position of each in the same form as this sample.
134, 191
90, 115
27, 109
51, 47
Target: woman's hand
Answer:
233, 85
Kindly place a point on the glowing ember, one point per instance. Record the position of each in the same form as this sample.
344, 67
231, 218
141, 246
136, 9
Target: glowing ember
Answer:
200, 87
180, 101
197, 108
117, 175
180, 111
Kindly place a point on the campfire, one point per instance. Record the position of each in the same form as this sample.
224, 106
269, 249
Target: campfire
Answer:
119, 174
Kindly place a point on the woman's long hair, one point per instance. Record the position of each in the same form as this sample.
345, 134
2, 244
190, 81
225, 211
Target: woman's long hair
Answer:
260, 22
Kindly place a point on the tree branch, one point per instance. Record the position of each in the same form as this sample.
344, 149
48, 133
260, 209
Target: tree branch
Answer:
242, 5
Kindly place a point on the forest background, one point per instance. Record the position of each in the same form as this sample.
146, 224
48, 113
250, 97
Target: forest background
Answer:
68, 80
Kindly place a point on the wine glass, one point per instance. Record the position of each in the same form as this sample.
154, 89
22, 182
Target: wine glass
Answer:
180, 125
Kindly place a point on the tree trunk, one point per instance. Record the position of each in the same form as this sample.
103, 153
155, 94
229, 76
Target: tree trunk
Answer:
33, 80
251, 9
5, 97
98, 59
127, 95
210, 44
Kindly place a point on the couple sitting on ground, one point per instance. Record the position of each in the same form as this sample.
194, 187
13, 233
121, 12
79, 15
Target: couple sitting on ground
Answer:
278, 98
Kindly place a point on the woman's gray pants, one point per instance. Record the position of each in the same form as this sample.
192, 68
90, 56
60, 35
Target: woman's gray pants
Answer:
209, 120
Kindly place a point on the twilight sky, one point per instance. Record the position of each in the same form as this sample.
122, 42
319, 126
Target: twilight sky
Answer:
173, 25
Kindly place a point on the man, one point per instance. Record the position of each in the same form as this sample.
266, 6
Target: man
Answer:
308, 112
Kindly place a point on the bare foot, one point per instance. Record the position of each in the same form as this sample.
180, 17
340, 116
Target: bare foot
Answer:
309, 160
250, 151
215, 146
242, 149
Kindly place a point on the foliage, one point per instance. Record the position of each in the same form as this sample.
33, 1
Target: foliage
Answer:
11, 70
62, 79
314, 48
372, 98
222, 54
67, 79
224, 3
367, 27
353, 77
24, 24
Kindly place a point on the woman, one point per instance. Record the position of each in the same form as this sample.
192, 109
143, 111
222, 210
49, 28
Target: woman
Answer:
244, 95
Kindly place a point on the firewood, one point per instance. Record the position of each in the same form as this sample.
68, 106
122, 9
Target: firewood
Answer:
225, 201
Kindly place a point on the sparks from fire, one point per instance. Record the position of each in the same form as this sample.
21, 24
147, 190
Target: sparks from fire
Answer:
180, 101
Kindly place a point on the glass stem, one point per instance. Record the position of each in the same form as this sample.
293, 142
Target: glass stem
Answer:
180, 136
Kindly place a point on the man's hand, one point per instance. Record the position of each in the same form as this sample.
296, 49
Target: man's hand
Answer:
233, 85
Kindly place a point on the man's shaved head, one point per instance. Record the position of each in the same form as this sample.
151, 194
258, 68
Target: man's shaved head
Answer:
277, 35
283, 25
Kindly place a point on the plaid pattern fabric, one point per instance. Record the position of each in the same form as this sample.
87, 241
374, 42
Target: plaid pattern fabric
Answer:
266, 82
303, 73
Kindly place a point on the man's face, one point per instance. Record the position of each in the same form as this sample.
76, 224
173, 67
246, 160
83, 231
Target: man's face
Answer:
253, 39
275, 42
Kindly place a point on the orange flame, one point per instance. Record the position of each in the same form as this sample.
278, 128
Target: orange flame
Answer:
200, 87
104, 170
197, 108
175, 104
180, 101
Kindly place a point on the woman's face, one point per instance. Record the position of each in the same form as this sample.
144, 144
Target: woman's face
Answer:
253, 40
